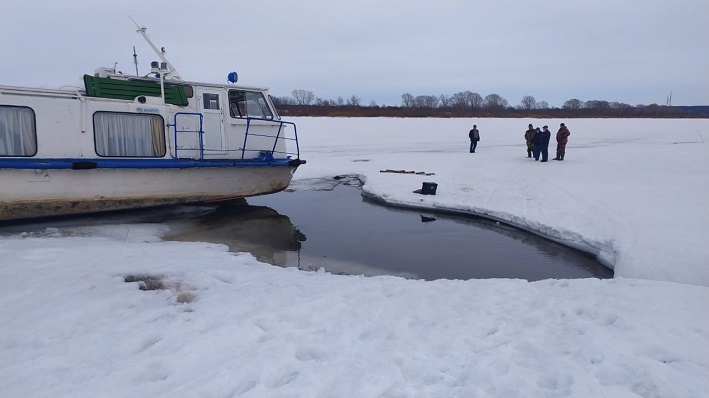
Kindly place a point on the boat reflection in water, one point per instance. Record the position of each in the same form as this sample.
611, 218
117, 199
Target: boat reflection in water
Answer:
259, 230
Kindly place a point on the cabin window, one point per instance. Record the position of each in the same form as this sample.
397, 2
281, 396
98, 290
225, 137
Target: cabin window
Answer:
18, 133
129, 134
189, 92
248, 104
210, 101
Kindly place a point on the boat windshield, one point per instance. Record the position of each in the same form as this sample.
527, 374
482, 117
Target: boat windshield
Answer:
244, 103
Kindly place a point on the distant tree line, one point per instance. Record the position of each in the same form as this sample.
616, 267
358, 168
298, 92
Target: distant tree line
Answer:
470, 104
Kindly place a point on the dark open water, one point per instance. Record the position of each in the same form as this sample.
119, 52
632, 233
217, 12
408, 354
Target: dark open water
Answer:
342, 232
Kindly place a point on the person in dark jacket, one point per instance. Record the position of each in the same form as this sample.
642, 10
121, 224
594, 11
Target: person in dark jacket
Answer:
544, 141
537, 141
528, 135
562, 137
474, 136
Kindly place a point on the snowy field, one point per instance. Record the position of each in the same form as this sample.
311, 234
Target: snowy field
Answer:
633, 192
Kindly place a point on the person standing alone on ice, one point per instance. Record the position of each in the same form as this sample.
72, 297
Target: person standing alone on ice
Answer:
562, 137
529, 136
474, 136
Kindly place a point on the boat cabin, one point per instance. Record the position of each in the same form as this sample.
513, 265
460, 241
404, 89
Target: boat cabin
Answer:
117, 116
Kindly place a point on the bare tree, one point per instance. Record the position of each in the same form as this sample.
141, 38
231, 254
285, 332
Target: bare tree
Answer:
528, 102
494, 101
459, 100
542, 105
431, 101
468, 95
444, 100
620, 105
466, 100
354, 101
621, 108
426, 101
303, 97
407, 100
419, 101
475, 100
573, 104
597, 104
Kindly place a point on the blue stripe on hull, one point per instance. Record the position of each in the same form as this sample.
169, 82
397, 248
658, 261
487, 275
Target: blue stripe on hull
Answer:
100, 163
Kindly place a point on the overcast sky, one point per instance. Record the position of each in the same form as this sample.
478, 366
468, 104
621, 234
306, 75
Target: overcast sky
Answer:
635, 52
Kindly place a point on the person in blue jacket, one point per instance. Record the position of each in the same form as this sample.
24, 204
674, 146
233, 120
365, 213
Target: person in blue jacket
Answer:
474, 136
537, 142
544, 143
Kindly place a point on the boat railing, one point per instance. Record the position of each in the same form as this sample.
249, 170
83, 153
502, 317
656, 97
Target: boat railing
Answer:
273, 152
178, 132
259, 144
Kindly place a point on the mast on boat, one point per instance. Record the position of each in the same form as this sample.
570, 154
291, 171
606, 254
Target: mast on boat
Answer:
170, 72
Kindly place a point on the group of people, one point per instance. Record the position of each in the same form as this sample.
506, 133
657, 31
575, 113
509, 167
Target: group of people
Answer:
537, 141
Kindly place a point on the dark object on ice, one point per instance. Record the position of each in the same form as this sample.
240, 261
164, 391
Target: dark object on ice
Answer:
407, 172
146, 282
429, 188
427, 219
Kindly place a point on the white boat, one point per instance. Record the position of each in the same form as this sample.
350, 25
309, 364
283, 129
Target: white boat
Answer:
129, 141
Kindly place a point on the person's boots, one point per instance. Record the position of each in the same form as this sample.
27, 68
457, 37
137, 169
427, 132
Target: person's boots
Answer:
561, 157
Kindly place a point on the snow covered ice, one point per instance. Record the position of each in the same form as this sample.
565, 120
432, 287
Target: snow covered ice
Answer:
631, 191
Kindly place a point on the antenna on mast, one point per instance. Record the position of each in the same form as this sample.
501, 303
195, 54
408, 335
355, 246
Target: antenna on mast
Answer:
172, 74
135, 61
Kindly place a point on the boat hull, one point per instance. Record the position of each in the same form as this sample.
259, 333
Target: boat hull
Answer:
36, 193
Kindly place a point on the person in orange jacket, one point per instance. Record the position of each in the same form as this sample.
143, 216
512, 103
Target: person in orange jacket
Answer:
562, 137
